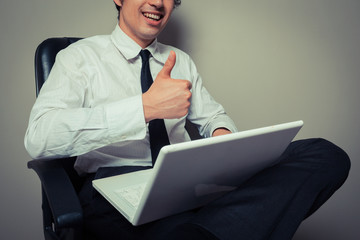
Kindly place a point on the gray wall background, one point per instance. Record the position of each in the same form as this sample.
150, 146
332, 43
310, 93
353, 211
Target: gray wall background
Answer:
266, 61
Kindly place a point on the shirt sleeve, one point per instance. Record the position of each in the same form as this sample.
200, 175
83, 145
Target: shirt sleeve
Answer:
62, 124
205, 112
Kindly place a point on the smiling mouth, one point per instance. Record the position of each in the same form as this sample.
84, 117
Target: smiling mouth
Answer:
152, 16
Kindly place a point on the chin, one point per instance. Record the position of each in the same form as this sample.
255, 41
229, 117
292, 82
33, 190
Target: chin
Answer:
150, 36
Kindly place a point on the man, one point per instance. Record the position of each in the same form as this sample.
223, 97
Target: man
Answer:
94, 106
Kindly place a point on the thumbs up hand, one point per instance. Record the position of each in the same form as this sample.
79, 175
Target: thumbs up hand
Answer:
167, 98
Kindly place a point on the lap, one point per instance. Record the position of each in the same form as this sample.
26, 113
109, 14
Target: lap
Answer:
303, 162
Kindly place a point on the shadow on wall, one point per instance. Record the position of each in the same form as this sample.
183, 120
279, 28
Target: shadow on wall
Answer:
175, 34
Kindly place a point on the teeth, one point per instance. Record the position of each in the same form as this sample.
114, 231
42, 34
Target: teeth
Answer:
152, 16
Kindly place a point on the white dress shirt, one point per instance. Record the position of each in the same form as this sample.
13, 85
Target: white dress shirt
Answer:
91, 104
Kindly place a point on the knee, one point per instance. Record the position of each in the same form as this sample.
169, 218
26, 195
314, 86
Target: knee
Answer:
333, 158
321, 154
338, 156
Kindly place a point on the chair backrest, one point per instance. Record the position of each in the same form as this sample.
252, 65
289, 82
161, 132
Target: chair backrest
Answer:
45, 57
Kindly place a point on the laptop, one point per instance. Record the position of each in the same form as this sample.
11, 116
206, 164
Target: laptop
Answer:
191, 174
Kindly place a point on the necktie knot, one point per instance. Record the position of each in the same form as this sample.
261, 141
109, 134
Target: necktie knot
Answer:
145, 55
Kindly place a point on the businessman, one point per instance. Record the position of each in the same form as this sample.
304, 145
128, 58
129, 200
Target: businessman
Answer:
115, 100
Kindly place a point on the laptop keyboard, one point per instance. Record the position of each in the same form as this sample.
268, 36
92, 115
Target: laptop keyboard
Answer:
132, 194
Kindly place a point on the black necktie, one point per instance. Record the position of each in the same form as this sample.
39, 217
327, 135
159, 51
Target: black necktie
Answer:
157, 130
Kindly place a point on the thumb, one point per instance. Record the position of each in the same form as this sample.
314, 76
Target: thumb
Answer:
169, 64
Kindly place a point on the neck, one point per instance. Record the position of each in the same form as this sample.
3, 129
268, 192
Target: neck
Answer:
143, 43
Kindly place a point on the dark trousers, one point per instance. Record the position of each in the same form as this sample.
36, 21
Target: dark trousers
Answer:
270, 205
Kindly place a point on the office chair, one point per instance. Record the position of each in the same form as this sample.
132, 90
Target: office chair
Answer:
60, 184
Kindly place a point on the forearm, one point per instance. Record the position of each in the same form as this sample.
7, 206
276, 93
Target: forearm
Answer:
72, 132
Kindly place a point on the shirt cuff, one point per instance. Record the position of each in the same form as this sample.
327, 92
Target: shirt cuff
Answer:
221, 122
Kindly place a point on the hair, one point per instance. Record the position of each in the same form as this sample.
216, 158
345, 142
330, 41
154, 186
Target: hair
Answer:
176, 2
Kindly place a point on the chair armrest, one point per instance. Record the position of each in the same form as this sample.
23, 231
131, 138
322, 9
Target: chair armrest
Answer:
62, 198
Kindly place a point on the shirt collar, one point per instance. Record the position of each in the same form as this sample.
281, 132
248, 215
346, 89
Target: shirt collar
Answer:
130, 49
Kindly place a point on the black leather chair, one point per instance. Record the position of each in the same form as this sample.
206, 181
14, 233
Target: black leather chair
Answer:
62, 212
